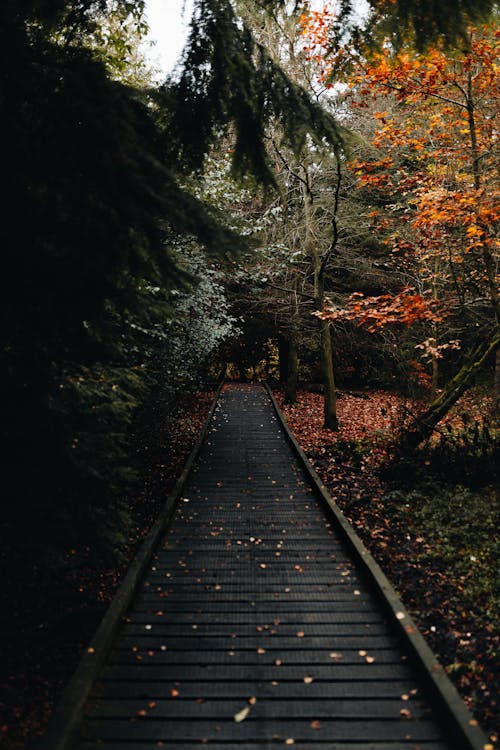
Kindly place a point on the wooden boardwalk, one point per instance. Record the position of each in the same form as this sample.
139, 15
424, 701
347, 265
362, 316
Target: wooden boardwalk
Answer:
254, 627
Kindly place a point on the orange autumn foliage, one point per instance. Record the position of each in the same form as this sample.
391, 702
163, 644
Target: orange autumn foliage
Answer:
434, 155
375, 313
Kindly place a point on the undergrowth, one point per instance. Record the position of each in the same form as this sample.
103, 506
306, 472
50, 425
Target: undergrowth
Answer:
467, 454
462, 539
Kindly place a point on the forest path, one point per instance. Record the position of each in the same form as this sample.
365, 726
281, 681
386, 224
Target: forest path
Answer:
254, 627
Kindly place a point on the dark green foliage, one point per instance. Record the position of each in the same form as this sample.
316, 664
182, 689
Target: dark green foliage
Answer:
88, 199
421, 23
248, 353
428, 20
67, 16
84, 455
230, 81
460, 529
469, 455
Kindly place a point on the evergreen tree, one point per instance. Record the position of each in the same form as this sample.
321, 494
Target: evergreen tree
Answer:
88, 202
423, 22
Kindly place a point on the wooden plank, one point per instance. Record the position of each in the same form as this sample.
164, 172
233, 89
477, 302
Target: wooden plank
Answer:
201, 708
207, 590
233, 582
271, 745
304, 542
299, 690
242, 630
206, 587
225, 517
252, 642
234, 656
225, 552
141, 672
248, 563
276, 608
249, 730
235, 618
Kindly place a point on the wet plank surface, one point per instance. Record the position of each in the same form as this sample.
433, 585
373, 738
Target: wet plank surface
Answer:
253, 628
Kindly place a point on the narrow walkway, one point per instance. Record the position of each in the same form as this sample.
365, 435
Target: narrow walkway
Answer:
253, 628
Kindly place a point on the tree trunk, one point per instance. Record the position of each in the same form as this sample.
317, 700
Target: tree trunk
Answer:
223, 373
496, 391
319, 265
435, 375
426, 422
283, 347
473, 133
293, 369
488, 259
330, 399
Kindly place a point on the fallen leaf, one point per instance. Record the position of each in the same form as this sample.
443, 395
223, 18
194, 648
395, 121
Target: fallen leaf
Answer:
241, 715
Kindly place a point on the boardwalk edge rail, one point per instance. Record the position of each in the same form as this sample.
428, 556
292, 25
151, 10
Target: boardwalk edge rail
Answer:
66, 720
448, 704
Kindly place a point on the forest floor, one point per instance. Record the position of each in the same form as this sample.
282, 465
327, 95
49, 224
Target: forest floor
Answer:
50, 622
437, 541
